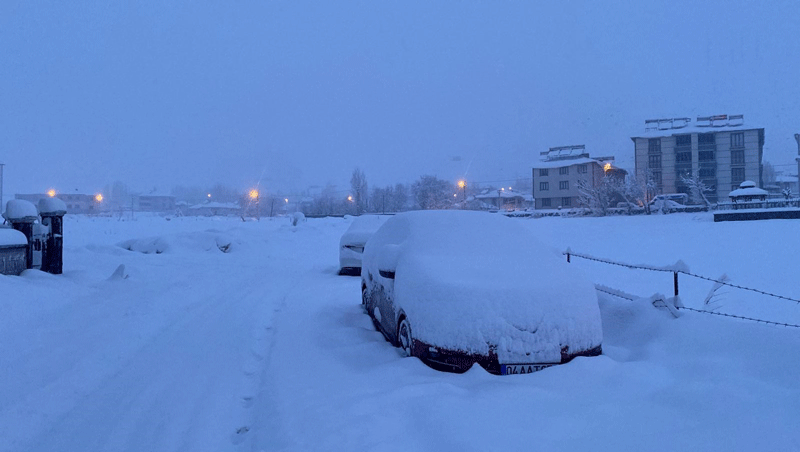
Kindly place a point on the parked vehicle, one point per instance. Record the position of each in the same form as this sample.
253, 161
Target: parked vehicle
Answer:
351, 245
455, 288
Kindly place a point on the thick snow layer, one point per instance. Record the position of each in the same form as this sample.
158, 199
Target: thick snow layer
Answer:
471, 280
19, 209
749, 191
52, 205
361, 229
266, 348
11, 237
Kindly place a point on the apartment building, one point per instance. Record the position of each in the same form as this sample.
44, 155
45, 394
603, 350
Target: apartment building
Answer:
720, 150
556, 176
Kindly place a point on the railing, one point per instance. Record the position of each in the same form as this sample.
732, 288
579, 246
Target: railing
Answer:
678, 269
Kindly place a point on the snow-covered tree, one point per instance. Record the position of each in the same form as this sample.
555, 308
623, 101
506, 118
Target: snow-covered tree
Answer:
697, 190
431, 192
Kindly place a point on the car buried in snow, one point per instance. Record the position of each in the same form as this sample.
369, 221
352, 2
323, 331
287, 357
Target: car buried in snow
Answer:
456, 288
351, 245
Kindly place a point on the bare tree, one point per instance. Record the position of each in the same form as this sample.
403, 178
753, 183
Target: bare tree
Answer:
596, 198
358, 185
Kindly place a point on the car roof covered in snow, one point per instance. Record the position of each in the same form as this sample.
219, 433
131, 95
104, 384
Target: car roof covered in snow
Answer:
362, 228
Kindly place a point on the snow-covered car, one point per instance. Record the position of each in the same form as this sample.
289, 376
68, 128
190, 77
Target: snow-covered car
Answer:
456, 288
351, 245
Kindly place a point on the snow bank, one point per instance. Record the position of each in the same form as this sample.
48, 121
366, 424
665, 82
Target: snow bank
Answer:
18, 209
471, 280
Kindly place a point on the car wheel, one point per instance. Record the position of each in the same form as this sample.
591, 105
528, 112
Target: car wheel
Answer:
364, 297
404, 338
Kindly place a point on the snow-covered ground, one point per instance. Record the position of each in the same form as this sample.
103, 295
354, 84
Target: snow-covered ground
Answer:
264, 347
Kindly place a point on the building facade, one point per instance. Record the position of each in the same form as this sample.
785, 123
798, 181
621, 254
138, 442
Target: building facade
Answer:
719, 150
557, 176
76, 203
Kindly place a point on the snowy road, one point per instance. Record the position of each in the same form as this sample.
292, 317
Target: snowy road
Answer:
266, 348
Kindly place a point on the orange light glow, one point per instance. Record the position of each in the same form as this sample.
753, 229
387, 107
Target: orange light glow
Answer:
607, 167
253, 194
51, 193
98, 197
462, 183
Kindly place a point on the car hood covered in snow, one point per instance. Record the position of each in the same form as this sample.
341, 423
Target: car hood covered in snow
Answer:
469, 281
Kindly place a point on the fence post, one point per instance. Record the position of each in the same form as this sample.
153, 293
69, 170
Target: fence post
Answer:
675, 279
568, 257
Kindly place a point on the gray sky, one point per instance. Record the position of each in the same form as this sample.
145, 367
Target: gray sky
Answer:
293, 94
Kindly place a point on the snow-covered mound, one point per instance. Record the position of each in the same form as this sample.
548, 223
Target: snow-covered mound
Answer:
11, 237
198, 241
471, 280
53, 206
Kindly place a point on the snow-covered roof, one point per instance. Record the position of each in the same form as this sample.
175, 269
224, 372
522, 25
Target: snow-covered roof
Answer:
52, 206
547, 164
667, 127
507, 194
11, 237
19, 209
216, 205
750, 191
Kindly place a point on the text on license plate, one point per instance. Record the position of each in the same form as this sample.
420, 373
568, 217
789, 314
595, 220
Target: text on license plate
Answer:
516, 369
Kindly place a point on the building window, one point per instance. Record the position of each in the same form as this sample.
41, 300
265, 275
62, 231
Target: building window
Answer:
707, 172
683, 156
544, 186
563, 170
543, 172
737, 176
737, 140
563, 185
705, 156
654, 161
654, 146
582, 169
545, 202
737, 157
656, 177
683, 141
566, 201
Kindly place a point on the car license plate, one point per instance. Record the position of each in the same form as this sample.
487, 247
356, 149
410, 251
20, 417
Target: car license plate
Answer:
517, 369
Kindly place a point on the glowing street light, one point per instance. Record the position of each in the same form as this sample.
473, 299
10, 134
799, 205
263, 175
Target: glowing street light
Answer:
51, 193
208, 195
350, 198
287, 200
254, 196
607, 167
462, 184
98, 197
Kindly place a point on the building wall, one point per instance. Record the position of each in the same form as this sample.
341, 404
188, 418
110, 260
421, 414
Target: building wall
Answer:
752, 148
563, 197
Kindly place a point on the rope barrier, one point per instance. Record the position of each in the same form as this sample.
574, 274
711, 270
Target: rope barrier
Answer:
675, 271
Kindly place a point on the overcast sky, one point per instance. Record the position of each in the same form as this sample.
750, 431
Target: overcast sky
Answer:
293, 94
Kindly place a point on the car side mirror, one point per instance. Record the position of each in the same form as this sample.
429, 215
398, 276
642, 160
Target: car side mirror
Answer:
387, 260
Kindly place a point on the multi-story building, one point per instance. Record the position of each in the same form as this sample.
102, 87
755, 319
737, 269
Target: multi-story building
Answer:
718, 150
556, 177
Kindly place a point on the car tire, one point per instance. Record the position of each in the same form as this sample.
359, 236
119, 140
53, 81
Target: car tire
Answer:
364, 298
404, 339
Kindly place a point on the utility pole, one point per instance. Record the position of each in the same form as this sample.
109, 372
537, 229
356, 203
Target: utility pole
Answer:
1, 186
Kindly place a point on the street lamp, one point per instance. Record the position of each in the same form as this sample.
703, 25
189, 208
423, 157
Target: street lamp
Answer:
254, 196
462, 184
98, 197
51, 193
